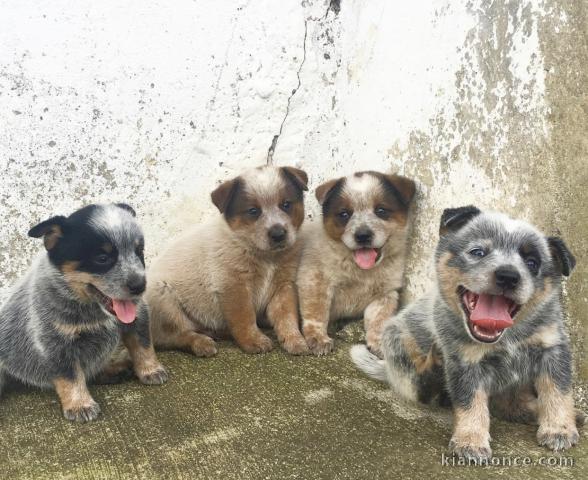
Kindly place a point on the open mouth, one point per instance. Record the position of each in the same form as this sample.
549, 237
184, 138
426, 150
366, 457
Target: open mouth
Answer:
366, 258
124, 310
488, 315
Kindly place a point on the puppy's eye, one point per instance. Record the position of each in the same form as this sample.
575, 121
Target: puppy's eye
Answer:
102, 259
254, 212
477, 252
344, 215
532, 264
286, 205
381, 212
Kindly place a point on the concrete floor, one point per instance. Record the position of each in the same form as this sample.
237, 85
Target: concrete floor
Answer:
239, 416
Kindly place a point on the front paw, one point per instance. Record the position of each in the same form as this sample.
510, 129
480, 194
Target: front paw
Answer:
558, 437
471, 451
204, 346
295, 345
374, 346
320, 344
82, 413
259, 344
157, 376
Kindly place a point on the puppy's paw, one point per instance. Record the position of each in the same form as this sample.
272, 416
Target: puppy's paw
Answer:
469, 451
259, 344
85, 412
204, 347
295, 345
558, 437
157, 376
320, 344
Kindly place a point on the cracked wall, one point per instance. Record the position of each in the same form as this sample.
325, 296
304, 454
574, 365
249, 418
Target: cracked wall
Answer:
482, 102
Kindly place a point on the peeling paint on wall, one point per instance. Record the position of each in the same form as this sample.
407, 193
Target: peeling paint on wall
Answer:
467, 97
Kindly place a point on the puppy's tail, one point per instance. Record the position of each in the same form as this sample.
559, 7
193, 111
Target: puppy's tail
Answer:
368, 362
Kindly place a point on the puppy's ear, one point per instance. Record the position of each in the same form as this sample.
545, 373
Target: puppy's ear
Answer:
453, 219
298, 177
323, 191
405, 187
562, 255
51, 230
224, 193
128, 208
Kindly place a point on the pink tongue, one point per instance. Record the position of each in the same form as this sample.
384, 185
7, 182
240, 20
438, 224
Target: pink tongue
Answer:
491, 312
365, 257
126, 311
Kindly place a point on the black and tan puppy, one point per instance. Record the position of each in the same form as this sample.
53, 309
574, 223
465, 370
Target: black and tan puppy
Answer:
352, 263
240, 268
491, 334
65, 317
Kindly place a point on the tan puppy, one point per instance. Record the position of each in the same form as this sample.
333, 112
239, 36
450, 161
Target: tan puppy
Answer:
353, 264
227, 274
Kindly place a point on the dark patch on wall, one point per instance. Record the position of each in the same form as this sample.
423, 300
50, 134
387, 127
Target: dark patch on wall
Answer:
335, 5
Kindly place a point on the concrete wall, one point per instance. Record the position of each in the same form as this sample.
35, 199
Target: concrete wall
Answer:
156, 102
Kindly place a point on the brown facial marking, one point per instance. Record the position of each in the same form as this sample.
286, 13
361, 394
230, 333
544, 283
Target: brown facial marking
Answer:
538, 297
237, 211
52, 237
449, 279
107, 247
293, 194
78, 281
394, 210
334, 224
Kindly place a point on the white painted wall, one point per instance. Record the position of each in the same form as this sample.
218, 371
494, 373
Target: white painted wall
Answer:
155, 102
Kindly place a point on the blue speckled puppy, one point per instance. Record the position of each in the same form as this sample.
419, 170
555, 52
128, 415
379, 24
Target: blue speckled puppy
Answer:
66, 316
491, 334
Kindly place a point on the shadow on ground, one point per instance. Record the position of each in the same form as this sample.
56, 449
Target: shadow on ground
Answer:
239, 416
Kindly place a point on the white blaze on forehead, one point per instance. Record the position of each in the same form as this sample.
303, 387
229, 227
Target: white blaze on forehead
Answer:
361, 189
511, 226
262, 183
114, 221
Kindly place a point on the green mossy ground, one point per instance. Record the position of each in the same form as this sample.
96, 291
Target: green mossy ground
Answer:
239, 416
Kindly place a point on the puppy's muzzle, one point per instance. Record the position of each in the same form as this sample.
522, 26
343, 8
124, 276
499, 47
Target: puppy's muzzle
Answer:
363, 236
507, 278
136, 284
277, 235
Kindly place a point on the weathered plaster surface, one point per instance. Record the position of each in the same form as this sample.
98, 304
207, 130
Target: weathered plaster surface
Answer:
155, 102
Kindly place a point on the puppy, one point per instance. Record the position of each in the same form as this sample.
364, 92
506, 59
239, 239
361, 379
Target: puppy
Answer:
224, 276
66, 316
491, 330
353, 264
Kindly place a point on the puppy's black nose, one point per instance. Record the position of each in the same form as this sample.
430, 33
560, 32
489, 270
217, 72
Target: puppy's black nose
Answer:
277, 233
136, 284
363, 236
507, 277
